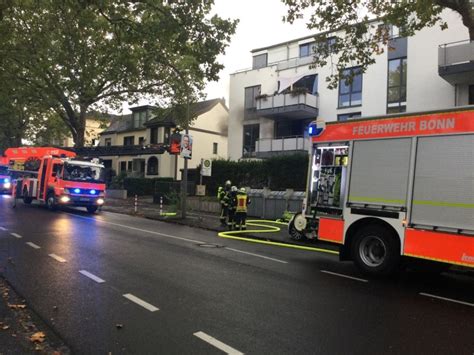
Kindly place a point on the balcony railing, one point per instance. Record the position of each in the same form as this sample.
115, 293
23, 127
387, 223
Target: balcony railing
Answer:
455, 53
283, 144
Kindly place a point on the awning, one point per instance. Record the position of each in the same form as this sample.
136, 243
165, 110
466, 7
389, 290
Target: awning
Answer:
285, 83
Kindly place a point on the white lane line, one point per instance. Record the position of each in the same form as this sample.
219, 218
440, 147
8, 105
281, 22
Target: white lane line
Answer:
91, 276
345, 276
57, 258
33, 245
139, 229
446, 299
3, 229
258, 255
141, 302
217, 343
16, 235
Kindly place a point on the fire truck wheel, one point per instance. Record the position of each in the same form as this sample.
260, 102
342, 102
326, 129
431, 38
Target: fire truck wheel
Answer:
92, 209
295, 234
26, 200
376, 250
51, 202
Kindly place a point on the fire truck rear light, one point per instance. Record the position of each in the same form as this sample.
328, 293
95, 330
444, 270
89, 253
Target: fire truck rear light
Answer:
64, 199
100, 201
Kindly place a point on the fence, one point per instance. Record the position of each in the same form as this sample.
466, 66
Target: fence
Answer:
269, 204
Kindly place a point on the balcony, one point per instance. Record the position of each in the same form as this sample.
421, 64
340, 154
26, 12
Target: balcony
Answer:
288, 106
456, 62
268, 147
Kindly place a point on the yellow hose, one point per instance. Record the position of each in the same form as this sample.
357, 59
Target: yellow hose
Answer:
269, 229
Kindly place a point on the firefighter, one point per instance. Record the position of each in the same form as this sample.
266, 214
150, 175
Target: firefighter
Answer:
232, 206
222, 196
241, 209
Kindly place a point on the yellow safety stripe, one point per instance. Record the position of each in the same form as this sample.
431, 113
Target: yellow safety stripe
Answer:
375, 199
443, 204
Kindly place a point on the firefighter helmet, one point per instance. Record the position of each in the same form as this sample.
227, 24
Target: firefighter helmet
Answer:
233, 189
242, 190
228, 183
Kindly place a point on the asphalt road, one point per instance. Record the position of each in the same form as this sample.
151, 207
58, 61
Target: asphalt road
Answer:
174, 292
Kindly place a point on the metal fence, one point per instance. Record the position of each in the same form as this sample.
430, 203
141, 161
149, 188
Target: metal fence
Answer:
272, 204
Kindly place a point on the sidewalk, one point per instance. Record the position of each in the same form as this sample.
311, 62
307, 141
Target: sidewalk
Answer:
21, 330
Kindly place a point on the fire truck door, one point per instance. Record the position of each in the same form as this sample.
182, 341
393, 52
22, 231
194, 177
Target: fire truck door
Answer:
43, 179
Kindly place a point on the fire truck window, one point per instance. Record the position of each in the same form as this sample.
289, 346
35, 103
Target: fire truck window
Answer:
57, 168
84, 173
3, 170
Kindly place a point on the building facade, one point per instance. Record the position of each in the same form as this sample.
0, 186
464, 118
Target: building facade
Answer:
134, 143
271, 104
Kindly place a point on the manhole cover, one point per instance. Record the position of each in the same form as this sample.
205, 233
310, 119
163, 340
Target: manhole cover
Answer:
209, 245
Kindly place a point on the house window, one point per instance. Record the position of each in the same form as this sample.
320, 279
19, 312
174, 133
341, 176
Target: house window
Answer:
331, 41
250, 94
289, 128
348, 116
397, 85
471, 94
123, 166
167, 135
251, 135
350, 88
260, 61
214, 148
307, 49
136, 119
129, 140
130, 165
142, 118
141, 141
154, 135
152, 166
309, 82
108, 142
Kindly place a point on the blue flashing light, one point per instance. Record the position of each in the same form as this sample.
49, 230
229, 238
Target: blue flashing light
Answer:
93, 192
6, 180
77, 191
310, 130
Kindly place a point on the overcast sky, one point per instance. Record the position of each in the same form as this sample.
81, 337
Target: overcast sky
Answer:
260, 25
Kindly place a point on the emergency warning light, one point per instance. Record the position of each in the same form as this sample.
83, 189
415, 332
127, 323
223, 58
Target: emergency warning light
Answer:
93, 192
6, 180
316, 128
76, 191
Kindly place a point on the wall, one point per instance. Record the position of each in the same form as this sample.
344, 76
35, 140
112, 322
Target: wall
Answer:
93, 130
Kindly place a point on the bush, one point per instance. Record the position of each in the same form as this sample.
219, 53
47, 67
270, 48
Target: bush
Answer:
141, 186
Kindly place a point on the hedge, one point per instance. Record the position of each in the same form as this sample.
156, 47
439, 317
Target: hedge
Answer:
277, 173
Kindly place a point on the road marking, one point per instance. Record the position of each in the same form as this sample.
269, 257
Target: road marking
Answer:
258, 255
346, 276
16, 235
57, 258
446, 299
91, 276
140, 302
216, 343
139, 229
3, 228
33, 245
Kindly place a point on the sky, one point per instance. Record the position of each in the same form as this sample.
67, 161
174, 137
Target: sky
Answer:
260, 25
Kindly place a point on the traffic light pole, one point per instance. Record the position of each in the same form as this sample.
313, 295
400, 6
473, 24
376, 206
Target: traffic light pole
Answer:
184, 180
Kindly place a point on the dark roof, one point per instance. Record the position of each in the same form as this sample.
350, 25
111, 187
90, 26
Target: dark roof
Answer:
142, 108
119, 150
196, 109
119, 124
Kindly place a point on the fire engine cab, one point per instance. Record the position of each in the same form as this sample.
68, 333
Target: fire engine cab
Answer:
5, 181
56, 177
392, 186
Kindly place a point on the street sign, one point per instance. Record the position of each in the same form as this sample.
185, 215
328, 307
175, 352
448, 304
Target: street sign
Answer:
200, 190
206, 167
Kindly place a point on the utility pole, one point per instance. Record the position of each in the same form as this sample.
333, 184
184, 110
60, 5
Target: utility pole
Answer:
184, 180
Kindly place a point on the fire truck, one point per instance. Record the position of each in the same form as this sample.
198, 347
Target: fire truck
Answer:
5, 181
56, 177
391, 187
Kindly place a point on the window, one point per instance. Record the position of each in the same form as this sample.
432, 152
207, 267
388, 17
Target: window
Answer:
260, 61
57, 168
123, 166
136, 119
129, 140
288, 128
141, 141
251, 135
130, 166
214, 148
331, 41
307, 49
250, 94
348, 116
142, 118
471, 95
154, 135
350, 91
309, 82
397, 85
167, 135
108, 142
152, 166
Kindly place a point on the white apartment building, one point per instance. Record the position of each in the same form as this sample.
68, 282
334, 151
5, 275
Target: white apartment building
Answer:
271, 104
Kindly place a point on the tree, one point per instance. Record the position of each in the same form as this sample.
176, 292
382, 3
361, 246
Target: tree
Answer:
362, 37
78, 55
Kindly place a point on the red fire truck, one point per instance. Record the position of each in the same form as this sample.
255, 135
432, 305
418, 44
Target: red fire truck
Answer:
56, 177
388, 187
